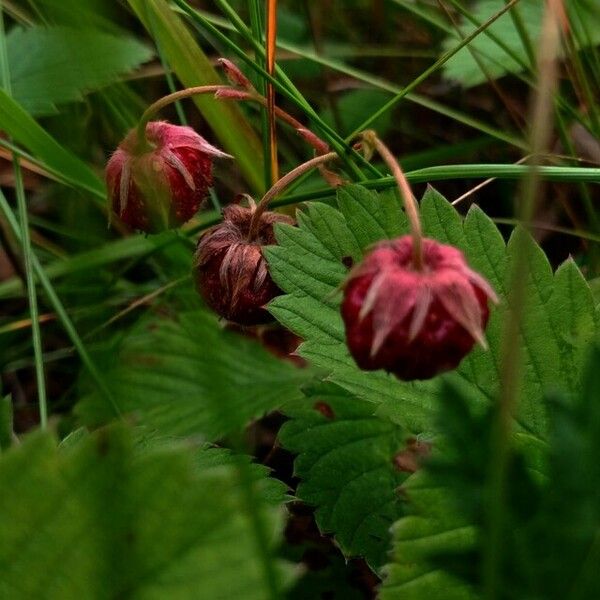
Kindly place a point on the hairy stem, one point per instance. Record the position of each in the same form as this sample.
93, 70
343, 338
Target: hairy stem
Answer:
224, 92
541, 119
281, 184
410, 203
155, 107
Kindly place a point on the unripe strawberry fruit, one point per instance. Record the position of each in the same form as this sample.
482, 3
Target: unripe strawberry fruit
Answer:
414, 323
161, 184
230, 270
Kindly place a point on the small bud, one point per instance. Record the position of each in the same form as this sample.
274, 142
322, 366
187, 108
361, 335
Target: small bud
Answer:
231, 94
233, 74
160, 184
230, 270
414, 323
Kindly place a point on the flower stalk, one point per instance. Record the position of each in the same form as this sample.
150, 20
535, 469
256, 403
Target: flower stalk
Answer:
372, 141
241, 90
281, 184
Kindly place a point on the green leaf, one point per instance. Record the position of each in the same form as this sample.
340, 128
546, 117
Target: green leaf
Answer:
100, 520
270, 490
572, 309
548, 547
354, 106
346, 465
194, 68
569, 523
187, 376
371, 216
17, 123
438, 548
50, 66
6, 423
412, 573
464, 68
307, 265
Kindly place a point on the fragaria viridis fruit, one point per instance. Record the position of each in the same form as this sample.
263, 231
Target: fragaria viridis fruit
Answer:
414, 322
160, 183
230, 270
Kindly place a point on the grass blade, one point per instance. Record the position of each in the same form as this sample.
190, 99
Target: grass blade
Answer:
19, 125
26, 246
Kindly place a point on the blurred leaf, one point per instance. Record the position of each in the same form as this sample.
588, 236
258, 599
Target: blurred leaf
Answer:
567, 526
346, 466
550, 523
193, 68
50, 66
17, 123
6, 423
98, 520
439, 543
188, 376
271, 490
434, 529
97, 14
464, 68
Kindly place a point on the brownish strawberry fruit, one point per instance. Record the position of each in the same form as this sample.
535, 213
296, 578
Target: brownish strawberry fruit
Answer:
414, 323
230, 270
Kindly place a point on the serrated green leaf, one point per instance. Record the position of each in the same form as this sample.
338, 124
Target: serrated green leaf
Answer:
329, 226
539, 338
415, 538
346, 465
207, 459
435, 529
464, 68
370, 216
572, 310
305, 266
101, 521
441, 221
50, 66
568, 522
301, 267
187, 376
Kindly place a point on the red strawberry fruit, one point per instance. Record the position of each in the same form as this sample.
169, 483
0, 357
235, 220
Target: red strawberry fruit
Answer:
414, 322
159, 183
230, 270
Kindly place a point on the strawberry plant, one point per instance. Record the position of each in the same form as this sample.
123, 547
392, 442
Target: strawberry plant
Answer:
340, 338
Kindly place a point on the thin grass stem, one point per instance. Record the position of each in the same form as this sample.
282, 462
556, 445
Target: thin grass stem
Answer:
25, 241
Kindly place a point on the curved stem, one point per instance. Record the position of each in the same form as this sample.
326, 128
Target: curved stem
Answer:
410, 203
165, 101
225, 92
281, 185
306, 134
